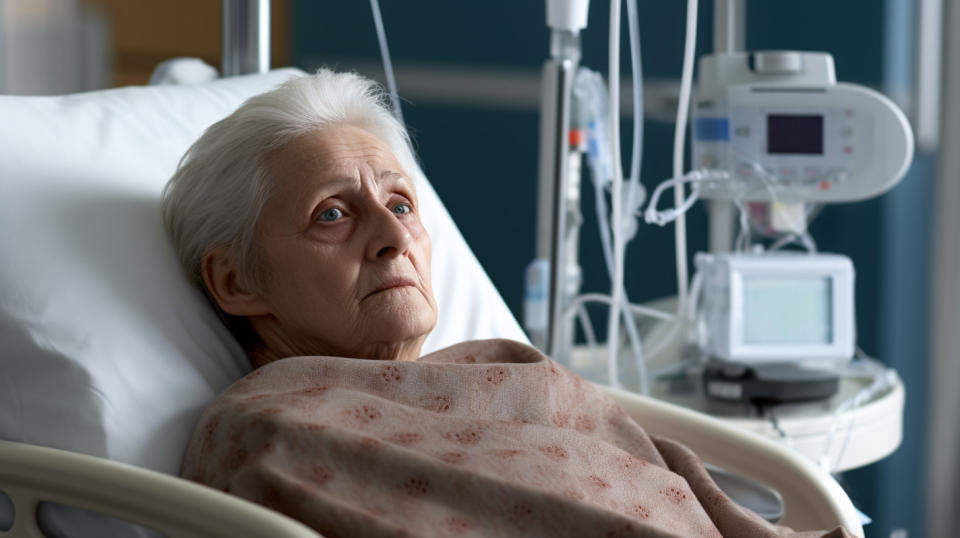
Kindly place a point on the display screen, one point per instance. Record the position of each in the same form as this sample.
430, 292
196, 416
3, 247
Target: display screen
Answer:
795, 134
787, 311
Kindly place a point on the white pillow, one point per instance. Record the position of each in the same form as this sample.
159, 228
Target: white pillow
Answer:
104, 346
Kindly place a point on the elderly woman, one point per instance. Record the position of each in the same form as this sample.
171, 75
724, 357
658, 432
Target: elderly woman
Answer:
298, 217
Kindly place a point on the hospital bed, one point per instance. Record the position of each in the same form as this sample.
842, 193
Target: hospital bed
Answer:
108, 355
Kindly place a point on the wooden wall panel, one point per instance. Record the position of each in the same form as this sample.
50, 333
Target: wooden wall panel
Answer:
144, 33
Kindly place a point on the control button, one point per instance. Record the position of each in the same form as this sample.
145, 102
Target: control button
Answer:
742, 130
824, 185
788, 175
838, 175
777, 63
847, 150
847, 131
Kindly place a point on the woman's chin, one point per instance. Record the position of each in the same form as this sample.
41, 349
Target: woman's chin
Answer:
405, 309
401, 323
407, 330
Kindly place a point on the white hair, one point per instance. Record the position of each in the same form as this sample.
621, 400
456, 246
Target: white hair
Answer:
221, 184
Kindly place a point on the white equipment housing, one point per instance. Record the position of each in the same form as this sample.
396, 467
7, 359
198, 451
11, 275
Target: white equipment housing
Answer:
777, 307
569, 15
784, 130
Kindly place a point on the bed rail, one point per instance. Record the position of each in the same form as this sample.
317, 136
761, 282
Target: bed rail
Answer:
30, 475
811, 497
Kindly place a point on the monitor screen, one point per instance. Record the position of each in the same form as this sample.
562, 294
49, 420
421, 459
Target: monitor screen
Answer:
788, 310
795, 134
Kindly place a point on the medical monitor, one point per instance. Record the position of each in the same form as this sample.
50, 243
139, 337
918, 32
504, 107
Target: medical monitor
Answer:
777, 307
781, 128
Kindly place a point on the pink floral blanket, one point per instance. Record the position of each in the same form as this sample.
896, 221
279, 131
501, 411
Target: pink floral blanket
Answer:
486, 438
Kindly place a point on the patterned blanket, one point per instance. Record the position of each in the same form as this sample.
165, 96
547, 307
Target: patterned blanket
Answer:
486, 438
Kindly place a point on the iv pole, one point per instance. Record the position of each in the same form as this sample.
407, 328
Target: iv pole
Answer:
566, 18
729, 23
245, 46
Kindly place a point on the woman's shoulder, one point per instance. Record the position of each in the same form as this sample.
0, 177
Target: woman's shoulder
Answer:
495, 350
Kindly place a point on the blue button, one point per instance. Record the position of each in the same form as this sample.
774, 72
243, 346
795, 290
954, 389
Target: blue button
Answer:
711, 129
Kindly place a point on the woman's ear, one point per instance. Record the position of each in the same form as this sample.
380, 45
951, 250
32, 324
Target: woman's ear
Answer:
221, 275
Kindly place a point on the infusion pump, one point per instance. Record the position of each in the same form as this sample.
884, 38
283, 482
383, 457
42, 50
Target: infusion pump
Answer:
776, 307
780, 128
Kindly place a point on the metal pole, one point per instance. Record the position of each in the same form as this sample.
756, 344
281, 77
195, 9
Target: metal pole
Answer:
929, 54
246, 37
558, 74
729, 24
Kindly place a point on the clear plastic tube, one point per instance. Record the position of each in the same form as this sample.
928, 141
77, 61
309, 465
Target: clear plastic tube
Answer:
590, 91
628, 310
744, 239
883, 378
679, 140
635, 189
804, 239
626, 210
584, 318
635, 343
387, 64
636, 70
661, 218
613, 320
606, 299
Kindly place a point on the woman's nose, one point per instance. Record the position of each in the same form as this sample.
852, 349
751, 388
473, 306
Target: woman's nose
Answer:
388, 236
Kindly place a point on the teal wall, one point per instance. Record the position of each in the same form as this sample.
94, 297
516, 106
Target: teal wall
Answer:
483, 162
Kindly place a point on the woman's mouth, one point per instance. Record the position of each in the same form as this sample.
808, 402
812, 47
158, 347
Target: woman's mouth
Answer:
391, 284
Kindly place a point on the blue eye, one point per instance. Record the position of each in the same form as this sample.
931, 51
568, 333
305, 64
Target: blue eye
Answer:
402, 209
331, 214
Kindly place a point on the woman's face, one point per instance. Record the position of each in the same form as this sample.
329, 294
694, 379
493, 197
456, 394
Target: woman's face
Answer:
345, 258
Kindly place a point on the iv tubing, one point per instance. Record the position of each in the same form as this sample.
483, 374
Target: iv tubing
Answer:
679, 139
629, 320
387, 64
587, 327
619, 302
575, 307
636, 158
599, 174
661, 218
636, 71
883, 378
613, 321
606, 299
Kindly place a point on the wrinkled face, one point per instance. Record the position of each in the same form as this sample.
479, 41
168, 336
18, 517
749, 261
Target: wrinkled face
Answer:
345, 256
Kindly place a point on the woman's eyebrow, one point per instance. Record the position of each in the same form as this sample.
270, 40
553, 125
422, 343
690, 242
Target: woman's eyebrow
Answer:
335, 182
390, 174
310, 198
396, 177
